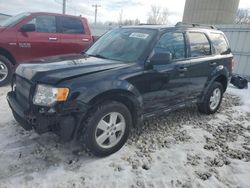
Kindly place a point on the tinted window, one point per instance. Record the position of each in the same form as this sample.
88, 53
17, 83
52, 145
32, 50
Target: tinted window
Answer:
172, 43
71, 25
219, 43
44, 24
199, 45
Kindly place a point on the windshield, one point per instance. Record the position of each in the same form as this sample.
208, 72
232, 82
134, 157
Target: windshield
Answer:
14, 20
123, 44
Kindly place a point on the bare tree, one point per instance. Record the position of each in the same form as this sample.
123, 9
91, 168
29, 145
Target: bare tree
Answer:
136, 21
120, 17
131, 22
128, 22
243, 16
164, 16
122, 21
158, 15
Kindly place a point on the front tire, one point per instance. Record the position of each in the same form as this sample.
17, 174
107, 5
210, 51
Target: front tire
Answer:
107, 128
5, 70
212, 100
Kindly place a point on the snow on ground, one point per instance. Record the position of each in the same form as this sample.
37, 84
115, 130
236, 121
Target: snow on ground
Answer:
181, 149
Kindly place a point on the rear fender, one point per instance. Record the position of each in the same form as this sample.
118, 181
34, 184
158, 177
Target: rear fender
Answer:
215, 74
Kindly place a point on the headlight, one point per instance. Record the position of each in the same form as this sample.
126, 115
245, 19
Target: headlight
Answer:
46, 95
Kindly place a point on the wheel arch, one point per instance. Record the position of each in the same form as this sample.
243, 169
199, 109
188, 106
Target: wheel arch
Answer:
123, 96
223, 80
8, 55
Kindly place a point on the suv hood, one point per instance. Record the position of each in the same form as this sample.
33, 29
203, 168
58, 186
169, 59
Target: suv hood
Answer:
56, 69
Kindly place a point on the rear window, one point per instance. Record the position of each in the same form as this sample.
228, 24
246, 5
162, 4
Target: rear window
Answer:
219, 43
199, 44
71, 25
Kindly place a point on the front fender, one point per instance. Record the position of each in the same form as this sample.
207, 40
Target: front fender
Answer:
106, 86
107, 90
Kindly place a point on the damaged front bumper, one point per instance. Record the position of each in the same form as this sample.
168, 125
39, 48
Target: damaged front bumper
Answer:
62, 119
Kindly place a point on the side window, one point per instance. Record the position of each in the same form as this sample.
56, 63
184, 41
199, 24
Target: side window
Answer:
44, 24
173, 43
219, 43
199, 44
71, 25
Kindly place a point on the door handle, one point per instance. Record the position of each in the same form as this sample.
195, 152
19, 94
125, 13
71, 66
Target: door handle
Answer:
182, 69
213, 64
52, 38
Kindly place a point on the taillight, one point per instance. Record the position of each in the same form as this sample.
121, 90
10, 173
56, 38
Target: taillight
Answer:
231, 64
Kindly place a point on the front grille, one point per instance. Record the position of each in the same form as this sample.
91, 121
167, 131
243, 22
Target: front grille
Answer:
22, 91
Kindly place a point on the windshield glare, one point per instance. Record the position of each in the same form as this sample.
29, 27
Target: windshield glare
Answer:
13, 20
123, 44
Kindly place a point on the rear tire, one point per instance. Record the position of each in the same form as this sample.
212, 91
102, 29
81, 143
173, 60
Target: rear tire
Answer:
106, 128
212, 99
5, 70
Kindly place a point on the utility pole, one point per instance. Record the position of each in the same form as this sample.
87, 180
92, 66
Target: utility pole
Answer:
64, 7
96, 7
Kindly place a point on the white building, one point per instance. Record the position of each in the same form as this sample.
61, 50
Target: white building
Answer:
210, 11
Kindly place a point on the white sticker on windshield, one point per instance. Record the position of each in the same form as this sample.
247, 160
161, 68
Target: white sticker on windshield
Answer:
139, 35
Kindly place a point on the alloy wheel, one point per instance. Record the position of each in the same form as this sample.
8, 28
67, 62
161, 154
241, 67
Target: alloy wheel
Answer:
215, 99
110, 130
3, 71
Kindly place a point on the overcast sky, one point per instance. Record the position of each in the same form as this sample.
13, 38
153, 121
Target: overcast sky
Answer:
109, 10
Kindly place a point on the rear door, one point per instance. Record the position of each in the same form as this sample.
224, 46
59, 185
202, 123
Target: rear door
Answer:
73, 37
200, 58
167, 85
221, 50
84, 40
44, 41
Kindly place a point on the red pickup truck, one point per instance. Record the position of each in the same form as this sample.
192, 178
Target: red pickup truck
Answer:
30, 36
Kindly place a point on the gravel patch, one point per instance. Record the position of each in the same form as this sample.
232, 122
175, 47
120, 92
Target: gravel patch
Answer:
181, 149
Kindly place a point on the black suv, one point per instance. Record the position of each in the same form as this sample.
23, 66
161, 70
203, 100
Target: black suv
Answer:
128, 75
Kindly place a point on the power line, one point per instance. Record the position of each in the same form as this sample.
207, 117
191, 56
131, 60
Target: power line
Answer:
64, 7
96, 7
63, 3
69, 7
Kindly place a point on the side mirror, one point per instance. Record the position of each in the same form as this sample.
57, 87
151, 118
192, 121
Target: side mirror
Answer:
228, 51
160, 58
28, 28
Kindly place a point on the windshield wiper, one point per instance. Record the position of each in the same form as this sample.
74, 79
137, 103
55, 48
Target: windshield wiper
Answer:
98, 56
84, 54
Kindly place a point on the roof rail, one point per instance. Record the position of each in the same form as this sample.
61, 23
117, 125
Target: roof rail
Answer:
181, 24
147, 24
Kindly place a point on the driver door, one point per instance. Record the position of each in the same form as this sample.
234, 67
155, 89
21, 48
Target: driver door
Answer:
43, 42
167, 83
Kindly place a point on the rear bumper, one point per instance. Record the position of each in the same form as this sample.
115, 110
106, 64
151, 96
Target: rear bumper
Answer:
63, 122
